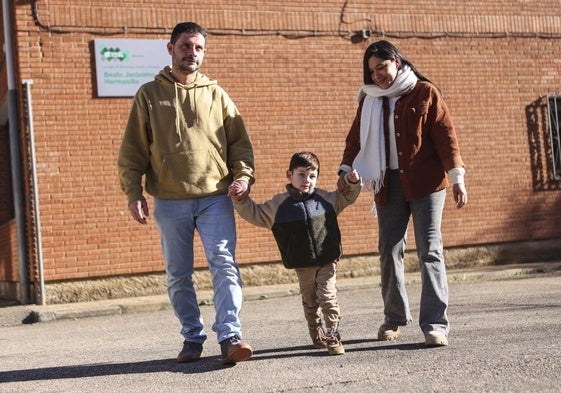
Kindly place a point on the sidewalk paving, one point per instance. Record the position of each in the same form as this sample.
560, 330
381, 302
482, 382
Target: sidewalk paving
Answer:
27, 314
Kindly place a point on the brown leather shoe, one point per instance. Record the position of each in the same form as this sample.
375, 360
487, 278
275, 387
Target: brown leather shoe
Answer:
234, 350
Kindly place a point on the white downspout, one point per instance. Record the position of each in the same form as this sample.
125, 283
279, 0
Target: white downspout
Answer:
29, 111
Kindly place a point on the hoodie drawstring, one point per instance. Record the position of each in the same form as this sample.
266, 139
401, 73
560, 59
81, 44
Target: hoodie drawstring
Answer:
177, 106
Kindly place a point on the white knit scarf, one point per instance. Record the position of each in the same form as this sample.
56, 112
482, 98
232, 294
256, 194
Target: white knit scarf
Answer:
370, 161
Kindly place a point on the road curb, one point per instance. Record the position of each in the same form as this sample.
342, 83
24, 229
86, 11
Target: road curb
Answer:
17, 315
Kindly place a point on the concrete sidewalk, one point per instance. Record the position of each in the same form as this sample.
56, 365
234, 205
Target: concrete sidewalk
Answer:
27, 314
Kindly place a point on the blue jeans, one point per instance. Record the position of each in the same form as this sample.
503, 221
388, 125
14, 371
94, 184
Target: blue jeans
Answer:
393, 219
213, 218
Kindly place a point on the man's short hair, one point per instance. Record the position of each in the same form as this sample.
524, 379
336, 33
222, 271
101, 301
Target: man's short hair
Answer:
187, 27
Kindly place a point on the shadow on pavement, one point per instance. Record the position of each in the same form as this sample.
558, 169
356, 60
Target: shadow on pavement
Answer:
309, 351
206, 364
104, 369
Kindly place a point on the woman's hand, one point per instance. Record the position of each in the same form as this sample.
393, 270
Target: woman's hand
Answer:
353, 176
342, 185
460, 195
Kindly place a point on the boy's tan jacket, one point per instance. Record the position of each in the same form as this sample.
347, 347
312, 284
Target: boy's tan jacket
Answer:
188, 140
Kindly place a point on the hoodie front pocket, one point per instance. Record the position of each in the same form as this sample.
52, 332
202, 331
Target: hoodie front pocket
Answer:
199, 168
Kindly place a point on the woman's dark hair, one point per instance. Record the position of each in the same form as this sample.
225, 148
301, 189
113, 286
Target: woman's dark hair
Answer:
304, 159
186, 27
387, 51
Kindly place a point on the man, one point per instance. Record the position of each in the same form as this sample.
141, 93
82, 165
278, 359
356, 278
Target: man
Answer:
187, 138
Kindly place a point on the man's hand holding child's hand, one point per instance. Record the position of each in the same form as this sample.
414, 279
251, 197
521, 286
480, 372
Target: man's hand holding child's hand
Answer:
238, 191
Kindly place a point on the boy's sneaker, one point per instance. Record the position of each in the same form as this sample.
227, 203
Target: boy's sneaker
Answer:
436, 339
191, 351
388, 332
318, 337
234, 350
334, 344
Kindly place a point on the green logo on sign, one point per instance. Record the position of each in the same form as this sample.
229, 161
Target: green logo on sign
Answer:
110, 54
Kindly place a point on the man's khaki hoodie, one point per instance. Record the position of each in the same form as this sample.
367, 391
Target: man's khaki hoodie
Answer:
188, 140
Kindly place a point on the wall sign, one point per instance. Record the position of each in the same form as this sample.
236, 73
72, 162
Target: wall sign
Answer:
122, 66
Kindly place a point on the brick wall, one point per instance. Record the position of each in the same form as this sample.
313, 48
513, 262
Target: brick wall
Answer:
294, 94
9, 255
6, 210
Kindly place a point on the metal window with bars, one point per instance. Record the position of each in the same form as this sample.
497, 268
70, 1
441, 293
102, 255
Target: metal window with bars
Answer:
554, 111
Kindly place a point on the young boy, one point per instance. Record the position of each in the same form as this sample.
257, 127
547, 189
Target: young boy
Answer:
304, 223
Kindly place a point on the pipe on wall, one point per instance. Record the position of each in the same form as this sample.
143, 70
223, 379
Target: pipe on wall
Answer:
40, 295
15, 156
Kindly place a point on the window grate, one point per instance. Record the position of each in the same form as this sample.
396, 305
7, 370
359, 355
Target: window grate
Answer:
554, 111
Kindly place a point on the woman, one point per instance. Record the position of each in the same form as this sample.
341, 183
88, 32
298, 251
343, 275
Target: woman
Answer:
403, 143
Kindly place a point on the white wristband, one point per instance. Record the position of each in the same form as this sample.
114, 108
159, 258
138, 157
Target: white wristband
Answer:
345, 168
456, 175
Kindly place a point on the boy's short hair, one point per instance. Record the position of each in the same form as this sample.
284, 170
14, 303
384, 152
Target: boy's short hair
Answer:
304, 159
187, 27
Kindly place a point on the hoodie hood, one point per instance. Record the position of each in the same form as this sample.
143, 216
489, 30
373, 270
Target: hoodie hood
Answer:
200, 81
185, 97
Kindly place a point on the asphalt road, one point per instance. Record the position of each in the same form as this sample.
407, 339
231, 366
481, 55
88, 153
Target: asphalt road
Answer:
505, 337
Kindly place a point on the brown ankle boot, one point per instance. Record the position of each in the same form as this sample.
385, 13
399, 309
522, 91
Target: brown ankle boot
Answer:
318, 337
334, 344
